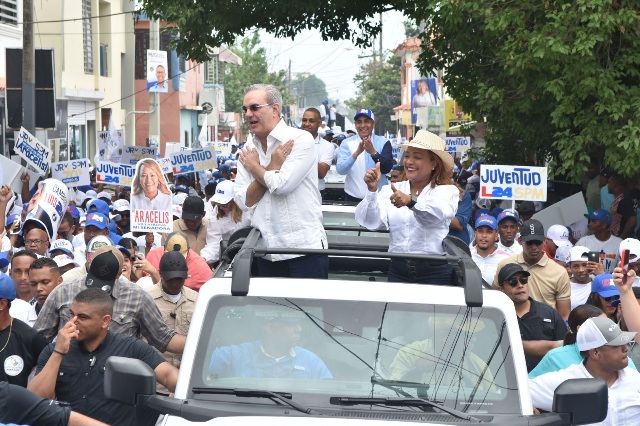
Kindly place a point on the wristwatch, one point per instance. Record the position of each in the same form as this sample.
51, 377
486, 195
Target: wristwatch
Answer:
413, 202
376, 157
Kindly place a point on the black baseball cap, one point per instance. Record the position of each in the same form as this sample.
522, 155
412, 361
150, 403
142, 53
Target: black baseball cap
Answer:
193, 208
173, 265
105, 268
508, 270
532, 230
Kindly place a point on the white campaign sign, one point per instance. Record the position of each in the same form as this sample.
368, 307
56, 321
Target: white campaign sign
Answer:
513, 183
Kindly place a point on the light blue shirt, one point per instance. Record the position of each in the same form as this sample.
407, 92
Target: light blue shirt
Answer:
250, 360
561, 358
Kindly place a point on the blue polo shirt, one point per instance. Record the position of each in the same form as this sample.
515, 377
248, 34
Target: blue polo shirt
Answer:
250, 360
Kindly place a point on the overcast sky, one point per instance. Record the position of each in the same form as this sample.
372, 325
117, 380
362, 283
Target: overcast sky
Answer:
334, 62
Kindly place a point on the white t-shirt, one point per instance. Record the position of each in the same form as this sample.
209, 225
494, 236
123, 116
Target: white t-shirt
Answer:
609, 249
488, 265
515, 248
579, 294
324, 152
624, 394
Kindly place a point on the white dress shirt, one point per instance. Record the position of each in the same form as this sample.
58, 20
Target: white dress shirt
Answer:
219, 230
324, 151
624, 394
488, 265
515, 248
419, 230
290, 212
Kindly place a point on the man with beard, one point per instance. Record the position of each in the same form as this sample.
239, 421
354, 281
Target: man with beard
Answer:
485, 253
549, 282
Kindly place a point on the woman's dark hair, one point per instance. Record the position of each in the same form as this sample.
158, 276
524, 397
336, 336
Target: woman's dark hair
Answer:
594, 300
577, 317
128, 243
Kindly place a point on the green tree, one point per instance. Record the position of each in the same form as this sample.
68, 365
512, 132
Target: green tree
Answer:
254, 69
379, 90
309, 90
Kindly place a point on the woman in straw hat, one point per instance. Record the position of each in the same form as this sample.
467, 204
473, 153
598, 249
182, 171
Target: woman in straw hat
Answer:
417, 212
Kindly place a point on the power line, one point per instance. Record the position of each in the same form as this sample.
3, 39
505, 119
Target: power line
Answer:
77, 19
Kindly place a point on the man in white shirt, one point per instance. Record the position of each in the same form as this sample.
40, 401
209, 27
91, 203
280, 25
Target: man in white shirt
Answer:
601, 239
324, 150
604, 349
278, 178
485, 253
508, 231
580, 278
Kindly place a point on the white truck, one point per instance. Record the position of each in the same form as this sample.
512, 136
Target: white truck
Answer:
350, 350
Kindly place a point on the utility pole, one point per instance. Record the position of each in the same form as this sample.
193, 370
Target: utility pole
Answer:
154, 97
28, 71
380, 50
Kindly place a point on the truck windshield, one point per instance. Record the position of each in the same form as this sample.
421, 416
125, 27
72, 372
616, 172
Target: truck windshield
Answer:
453, 355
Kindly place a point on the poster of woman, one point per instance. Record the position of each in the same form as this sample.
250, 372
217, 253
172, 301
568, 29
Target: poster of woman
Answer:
48, 205
150, 199
423, 94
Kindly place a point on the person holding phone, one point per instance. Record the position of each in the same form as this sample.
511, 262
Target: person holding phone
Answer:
601, 240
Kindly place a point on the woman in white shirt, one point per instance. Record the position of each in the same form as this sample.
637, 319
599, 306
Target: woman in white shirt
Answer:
227, 218
150, 190
417, 212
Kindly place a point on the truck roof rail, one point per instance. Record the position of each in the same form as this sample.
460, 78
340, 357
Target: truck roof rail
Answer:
466, 272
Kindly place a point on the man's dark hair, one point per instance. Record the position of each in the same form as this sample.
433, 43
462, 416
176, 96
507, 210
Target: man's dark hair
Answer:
315, 111
44, 262
67, 218
128, 243
24, 253
576, 318
210, 189
621, 180
398, 168
96, 297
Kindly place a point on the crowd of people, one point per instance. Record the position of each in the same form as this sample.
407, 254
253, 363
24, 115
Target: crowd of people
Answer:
96, 288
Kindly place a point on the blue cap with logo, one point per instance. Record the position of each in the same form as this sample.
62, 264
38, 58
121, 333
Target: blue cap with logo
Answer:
98, 206
487, 220
604, 286
98, 220
365, 112
602, 215
508, 214
7, 287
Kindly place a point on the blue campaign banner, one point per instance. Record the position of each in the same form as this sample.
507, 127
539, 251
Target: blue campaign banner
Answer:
193, 160
133, 154
457, 143
72, 173
115, 173
513, 182
33, 151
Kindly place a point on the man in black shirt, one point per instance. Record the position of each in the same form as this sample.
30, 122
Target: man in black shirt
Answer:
19, 406
72, 368
20, 345
541, 326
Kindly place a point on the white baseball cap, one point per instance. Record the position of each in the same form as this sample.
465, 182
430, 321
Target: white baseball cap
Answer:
60, 244
563, 254
64, 260
601, 331
559, 234
176, 209
224, 192
579, 254
121, 206
633, 246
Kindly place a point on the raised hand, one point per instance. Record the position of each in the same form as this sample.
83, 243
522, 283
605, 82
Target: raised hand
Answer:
5, 194
66, 334
367, 145
249, 158
372, 178
398, 198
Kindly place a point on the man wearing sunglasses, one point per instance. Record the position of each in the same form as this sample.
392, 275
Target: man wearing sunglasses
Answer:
540, 325
549, 282
278, 176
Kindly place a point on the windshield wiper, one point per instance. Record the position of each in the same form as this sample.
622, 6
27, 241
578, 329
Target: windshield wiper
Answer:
401, 402
283, 397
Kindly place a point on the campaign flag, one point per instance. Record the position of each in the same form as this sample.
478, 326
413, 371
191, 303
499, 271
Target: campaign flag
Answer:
193, 160
202, 137
47, 206
37, 154
513, 182
72, 173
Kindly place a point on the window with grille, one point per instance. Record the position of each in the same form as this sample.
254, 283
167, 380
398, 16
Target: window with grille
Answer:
9, 12
87, 36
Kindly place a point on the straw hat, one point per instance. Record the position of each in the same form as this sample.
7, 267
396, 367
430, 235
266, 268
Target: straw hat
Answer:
434, 143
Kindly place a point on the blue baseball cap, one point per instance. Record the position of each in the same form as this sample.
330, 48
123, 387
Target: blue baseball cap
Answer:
125, 251
224, 168
363, 111
182, 188
99, 206
487, 220
328, 132
7, 287
508, 214
97, 219
74, 212
496, 212
11, 219
604, 286
479, 213
601, 214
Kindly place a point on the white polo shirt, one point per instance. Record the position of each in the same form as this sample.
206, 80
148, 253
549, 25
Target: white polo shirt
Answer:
324, 151
488, 265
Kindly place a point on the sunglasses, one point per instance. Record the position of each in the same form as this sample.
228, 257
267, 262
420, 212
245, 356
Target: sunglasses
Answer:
253, 107
513, 282
611, 298
534, 243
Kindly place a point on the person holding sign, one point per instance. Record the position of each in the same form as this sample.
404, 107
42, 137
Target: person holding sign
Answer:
417, 212
150, 191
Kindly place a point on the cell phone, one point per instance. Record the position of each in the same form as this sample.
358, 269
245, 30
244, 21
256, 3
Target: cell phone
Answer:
593, 256
140, 251
624, 259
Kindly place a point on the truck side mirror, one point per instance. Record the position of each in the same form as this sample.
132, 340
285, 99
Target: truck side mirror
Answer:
586, 400
126, 378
